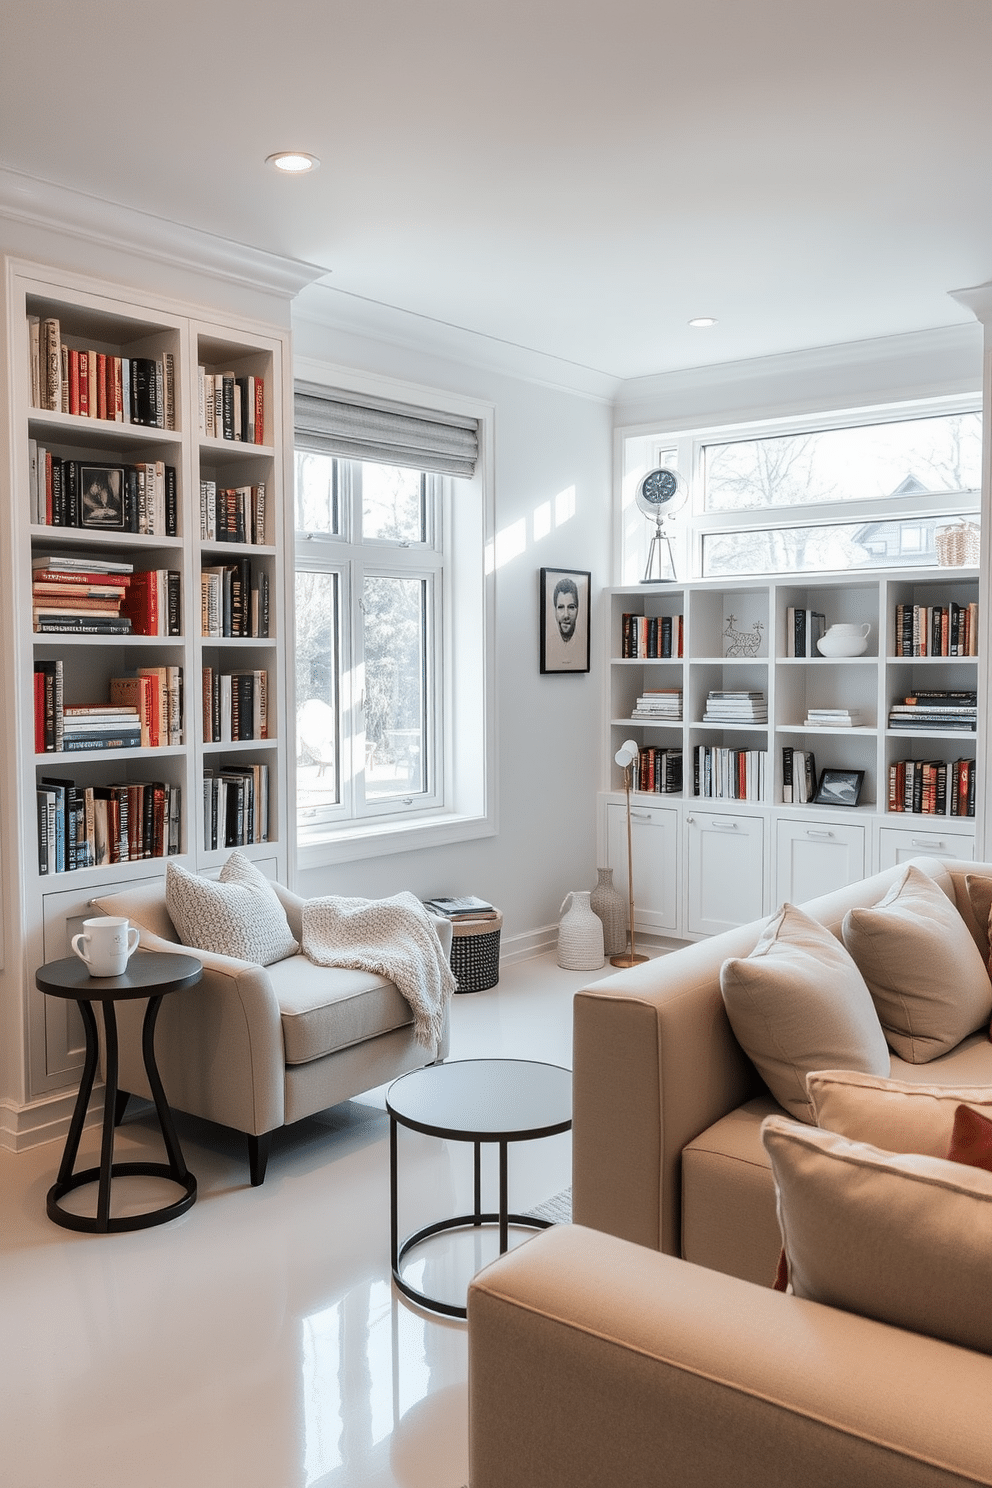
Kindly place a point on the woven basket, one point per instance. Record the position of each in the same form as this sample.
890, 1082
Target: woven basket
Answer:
958, 546
475, 953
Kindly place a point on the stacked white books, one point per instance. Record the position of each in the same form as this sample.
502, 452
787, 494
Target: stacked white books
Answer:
736, 707
661, 703
834, 718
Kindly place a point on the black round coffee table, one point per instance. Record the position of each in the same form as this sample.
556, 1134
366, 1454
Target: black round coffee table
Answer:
474, 1100
149, 974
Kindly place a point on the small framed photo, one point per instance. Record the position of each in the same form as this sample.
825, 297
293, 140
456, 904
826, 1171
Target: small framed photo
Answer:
839, 787
101, 496
565, 594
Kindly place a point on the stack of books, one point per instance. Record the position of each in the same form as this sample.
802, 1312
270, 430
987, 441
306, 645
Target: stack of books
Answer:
936, 711
465, 907
662, 704
81, 596
100, 726
736, 707
833, 718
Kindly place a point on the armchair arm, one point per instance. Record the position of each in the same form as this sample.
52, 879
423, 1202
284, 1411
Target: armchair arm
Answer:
594, 1361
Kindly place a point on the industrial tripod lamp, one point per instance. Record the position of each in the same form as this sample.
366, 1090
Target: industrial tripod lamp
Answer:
626, 757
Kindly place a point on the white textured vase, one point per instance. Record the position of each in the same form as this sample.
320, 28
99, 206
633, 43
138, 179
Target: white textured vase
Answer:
580, 934
609, 904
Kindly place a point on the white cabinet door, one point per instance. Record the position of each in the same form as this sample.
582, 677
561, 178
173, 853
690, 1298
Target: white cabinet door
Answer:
816, 857
896, 844
654, 849
725, 867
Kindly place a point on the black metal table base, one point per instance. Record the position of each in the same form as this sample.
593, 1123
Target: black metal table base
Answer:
175, 1169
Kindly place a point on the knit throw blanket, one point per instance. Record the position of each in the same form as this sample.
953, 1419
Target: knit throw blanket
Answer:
394, 938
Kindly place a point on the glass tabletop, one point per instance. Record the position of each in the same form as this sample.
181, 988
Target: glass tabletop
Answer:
484, 1099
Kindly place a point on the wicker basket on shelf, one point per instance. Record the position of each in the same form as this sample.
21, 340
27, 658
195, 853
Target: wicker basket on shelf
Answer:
958, 546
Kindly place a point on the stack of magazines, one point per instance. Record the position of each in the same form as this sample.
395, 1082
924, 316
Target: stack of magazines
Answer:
467, 907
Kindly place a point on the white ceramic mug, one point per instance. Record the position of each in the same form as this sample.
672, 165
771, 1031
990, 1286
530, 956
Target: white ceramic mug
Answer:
105, 945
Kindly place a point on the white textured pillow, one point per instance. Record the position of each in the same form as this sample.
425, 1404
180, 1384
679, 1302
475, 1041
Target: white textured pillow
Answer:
798, 1003
237, 915
900, 1237
924, 970
892, 1114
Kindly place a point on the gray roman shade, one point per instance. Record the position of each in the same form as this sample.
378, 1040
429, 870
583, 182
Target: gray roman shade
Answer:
358, 428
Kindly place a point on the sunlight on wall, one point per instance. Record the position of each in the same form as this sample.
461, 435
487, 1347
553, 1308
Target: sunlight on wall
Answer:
509, 544
512, 541
542, 521
564, 506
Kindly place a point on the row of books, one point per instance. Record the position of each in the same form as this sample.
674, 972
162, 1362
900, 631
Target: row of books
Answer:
87, 826
936, 630
234, 600
660, 704
656, 637
730, 774
803, 628
235, 806
936, 710
141, 498
736, 707
233, 513
96, 384
231, 407
235, 705
658, 771
798, 776
933, 787
144, 710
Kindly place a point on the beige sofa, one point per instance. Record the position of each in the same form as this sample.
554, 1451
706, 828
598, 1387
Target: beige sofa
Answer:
667, 1107
256, 1048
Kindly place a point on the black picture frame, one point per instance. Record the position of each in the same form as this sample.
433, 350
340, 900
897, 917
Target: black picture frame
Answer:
564, 590
101, 497
839, 787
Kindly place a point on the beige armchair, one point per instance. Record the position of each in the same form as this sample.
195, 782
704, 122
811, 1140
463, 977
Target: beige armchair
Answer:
256, 1048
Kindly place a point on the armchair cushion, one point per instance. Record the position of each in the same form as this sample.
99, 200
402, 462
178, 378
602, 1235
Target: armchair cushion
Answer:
237, 915
899, 1237
922, 966
896, 1115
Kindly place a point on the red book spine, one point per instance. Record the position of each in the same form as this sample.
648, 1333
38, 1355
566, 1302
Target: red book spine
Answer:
39, 712
84, 383
73, 380
259, 410
101, 385
48, 488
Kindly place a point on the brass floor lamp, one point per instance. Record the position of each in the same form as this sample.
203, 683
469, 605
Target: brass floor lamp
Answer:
626, 757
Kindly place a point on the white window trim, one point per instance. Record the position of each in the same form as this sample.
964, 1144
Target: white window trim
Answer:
469, 687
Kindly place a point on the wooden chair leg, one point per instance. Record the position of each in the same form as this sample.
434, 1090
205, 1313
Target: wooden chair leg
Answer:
258, 1157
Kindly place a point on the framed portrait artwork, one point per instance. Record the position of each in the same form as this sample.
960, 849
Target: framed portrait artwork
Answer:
101, 495
565, 594
839, 788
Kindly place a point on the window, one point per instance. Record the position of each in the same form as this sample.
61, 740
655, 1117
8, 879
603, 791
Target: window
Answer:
390, 630
857, 495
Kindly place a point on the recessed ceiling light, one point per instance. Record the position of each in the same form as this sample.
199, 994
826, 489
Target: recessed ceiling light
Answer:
294, 162
703, 322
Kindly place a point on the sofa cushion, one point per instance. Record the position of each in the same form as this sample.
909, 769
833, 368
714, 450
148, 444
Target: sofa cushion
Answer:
971, 1139
238, 914
896, 1115
900, 1237
797, 996
979, 896
924, 971
324, 1009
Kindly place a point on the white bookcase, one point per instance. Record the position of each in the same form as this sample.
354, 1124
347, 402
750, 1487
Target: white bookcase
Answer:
731, 859
49, 906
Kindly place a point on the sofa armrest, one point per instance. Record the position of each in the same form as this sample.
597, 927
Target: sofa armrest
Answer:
598, 1362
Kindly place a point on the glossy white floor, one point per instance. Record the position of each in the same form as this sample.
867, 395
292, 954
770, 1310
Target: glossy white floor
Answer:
257, 1341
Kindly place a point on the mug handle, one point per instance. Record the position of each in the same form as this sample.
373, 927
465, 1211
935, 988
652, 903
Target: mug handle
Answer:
77, 943
132, 945
866, 629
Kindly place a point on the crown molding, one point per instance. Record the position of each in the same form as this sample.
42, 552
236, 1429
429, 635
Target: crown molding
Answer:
944, 361
325, 307
63, 210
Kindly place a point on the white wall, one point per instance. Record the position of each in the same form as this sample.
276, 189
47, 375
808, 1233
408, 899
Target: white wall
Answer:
548, 443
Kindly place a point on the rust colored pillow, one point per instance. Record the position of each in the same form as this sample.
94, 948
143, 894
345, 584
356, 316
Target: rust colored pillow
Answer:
971, 1139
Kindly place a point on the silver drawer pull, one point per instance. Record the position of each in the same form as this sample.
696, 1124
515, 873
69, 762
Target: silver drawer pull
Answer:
727, 824
927, 842
641, 816
819, 832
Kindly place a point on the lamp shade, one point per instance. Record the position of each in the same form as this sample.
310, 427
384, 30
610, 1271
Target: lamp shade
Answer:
626, 754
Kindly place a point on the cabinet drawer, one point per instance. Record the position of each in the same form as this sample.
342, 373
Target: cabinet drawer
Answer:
896, 844
725, 870
814, 857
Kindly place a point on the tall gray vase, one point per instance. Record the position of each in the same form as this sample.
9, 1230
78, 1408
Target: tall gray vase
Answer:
610, 905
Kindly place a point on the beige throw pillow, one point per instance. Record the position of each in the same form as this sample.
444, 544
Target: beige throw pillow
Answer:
900, 1237
979, 890
922, 966
237, 915
796, 996
892, 1114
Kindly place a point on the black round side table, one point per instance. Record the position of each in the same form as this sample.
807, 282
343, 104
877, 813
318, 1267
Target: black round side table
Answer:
473, 1100
149, 974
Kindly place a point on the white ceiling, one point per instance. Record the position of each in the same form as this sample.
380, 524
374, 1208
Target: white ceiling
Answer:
569, 176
